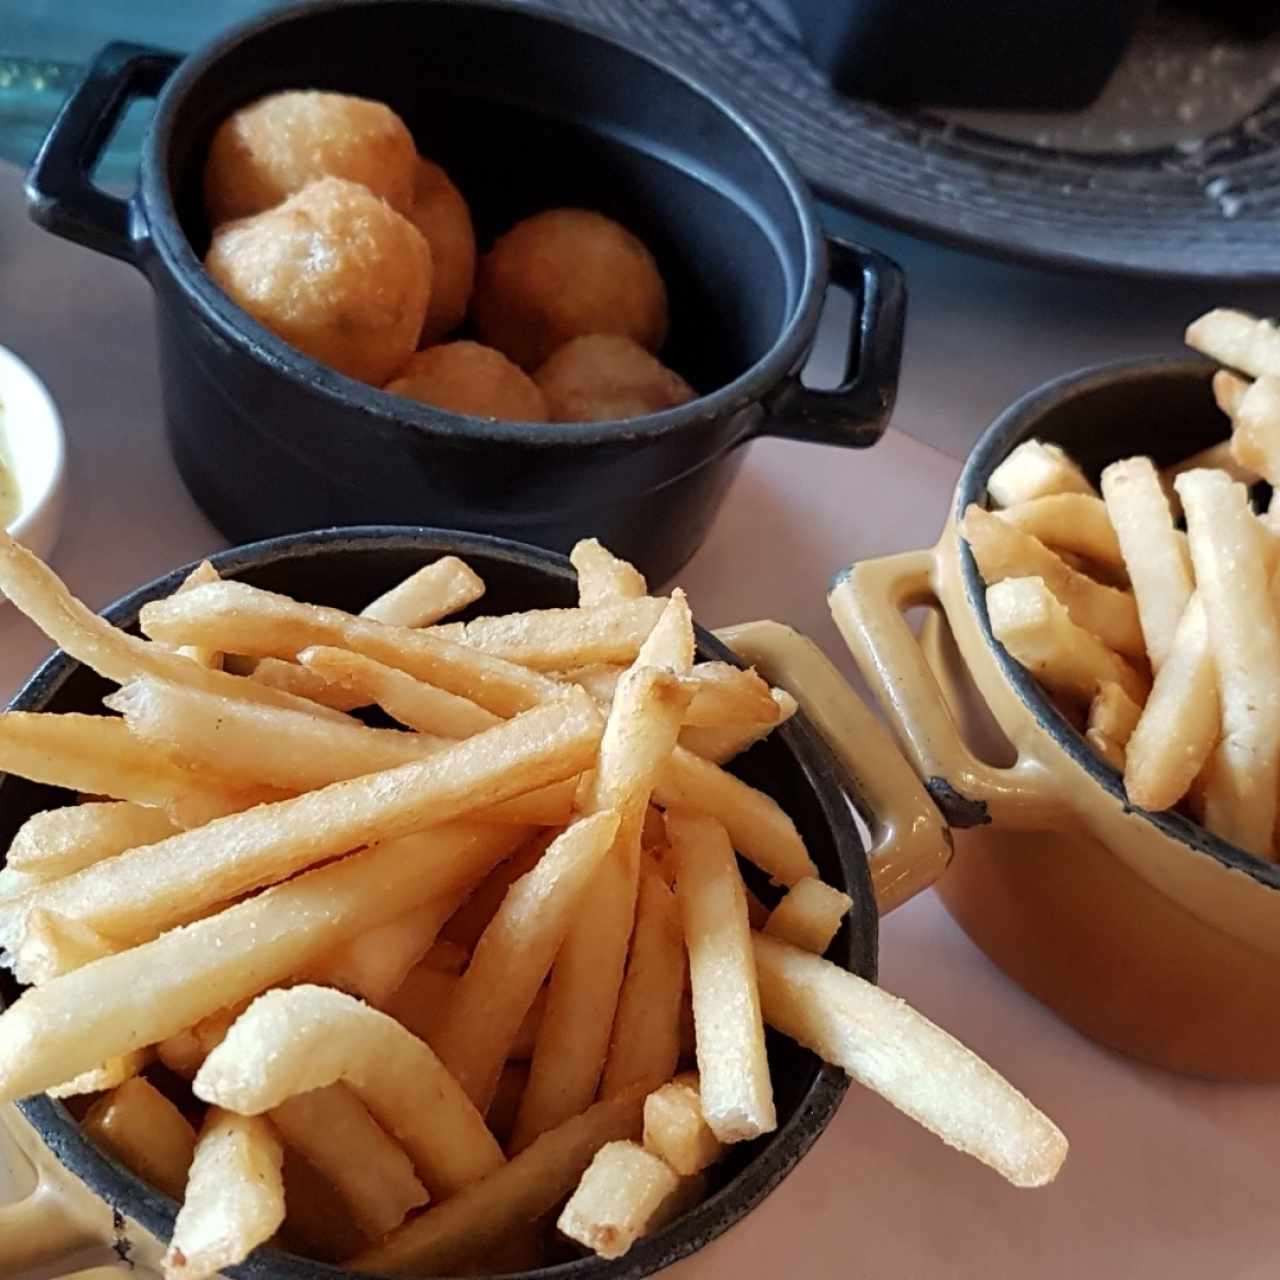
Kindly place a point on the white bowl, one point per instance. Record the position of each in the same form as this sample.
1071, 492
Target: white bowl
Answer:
34, 448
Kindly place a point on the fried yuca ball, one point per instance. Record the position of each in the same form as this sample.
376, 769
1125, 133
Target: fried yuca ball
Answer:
601, 377
266, 151
466, 377
335, 271
562, 274
441, 214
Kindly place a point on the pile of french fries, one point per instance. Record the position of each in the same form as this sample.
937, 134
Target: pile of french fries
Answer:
1149, 612
434, 997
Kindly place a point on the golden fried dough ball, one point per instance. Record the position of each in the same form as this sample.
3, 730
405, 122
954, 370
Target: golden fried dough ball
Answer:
335, 271
602, 377
468, 378
441, 214
562, 274
266, 151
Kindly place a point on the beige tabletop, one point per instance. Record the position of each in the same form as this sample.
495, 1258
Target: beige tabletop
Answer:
1167, 1177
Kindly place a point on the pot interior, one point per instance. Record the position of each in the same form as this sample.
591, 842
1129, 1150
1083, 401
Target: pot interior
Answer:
347, 569
526, 113
1163, 409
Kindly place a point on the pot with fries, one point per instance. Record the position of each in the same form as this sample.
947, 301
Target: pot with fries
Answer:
559, 954
1094, 701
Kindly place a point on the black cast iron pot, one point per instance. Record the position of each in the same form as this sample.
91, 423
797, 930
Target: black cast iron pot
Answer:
347, 567
526, 110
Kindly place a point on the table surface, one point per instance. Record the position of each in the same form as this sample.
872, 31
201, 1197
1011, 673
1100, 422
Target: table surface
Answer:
1167, 1176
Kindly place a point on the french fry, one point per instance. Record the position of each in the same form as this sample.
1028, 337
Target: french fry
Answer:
514, 956
602, 577
618, 1199
142, 892
645, 1045
1030, 621
234, 1199
1113, 716
433, 592
302, 682
549, 806
643, 725
523, 1045
184, 1053
242, 743
469, 1224
292, 1041
15, 883
472, 918
60, 841
1237, 339
1155, 553
809, 915
1255, 443
1002, 552
38, 592
203, 573
724, 696
722, 745
502, 1112
1035, 470
109, 1075
239, 618
733, 1066
1072, 522
333, 1129
317, 1222
886, 1045
1228, 391
420, 706
676, 1129
1244, 639
551, 639
142, 1129
758, 826
151, 992
49, 943
418, 1002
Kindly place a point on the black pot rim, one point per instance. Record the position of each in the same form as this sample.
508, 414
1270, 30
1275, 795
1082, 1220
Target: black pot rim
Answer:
154, 210
155, 1212
1015, 424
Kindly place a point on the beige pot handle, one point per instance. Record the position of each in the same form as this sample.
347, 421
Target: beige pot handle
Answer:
911, 845
868, 603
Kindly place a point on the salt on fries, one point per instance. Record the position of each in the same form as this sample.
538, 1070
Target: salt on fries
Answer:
1205, 733
436, 985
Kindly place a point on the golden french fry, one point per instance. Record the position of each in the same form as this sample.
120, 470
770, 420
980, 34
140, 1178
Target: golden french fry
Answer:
142, 996
722, 745
1113, 716
420, 706
234, 1199
602, 577
759, 827
1255, 443
502, 1112
467, 1225
1030, 621
1155, 553
203, 572
618, 1199
1237, 339
49, 943
142, 1129
184, 1053
419, 1001
434, 592
733, 1066
15, 883
142, 892
1003, 552
523, 1045
1228, 391
317, 1222
302, 682
38, 592
1068, 522
113, 1072
333, 1129
243, 619
60, 841
472, 918
514, 956
676, 1129
292, 1041
1035, 470
645, 1046
1244, 639
809, 915
886, 1045
573, 1040
551, 639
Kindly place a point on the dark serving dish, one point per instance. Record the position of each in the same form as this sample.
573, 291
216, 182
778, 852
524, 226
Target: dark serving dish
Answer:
346, 567
526, 109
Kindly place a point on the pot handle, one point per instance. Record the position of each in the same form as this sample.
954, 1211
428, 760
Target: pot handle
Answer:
868, 602
911, 845
61, 195
854, 414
